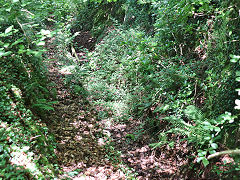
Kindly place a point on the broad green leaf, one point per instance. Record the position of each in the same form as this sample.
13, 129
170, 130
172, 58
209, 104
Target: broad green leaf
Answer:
237, 73
235, 57
202, 153
214, 145
1, 148
238, 79
233, 60
41, 43
45, 32
205, 162
237, 102
207, 138
217, 129
199, 159
3, 53
8, 9
238, 90
9, 29
212, 151
6, 45
165, 108
16, 42
206, 123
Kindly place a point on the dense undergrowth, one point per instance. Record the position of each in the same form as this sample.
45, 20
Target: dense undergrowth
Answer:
26, 148
167, 63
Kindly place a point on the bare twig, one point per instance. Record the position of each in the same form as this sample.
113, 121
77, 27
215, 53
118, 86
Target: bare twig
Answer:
237, 151
195, 89
25, 10
75, 54
21, 26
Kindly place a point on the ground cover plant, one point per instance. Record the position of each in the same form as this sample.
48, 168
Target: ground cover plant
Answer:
125, 89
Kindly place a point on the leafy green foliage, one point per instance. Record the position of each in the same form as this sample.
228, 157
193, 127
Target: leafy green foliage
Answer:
96, 16
155, 59
23, 91
200, 131
181, 71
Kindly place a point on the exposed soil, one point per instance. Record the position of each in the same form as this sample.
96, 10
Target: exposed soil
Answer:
84, 40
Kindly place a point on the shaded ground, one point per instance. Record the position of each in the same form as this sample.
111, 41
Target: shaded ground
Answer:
84, 40
76, 131
92, 149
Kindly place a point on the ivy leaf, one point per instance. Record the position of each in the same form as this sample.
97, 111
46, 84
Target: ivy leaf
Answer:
6, 45
73, 173
199, 159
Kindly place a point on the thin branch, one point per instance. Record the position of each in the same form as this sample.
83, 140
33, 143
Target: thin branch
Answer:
25, 10
237, 151
75, 54
21, 26
195, 89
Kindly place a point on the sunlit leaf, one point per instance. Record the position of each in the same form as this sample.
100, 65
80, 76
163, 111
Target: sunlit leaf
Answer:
217, 129
6, 45
41, 43
235, 57
9, 29
238, 79
45, 32
233, 60
237, 102
214, 145
3, 53
1, 148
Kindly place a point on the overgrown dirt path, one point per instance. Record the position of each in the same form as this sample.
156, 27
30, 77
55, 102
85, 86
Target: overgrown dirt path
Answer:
73, 123
91, 149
